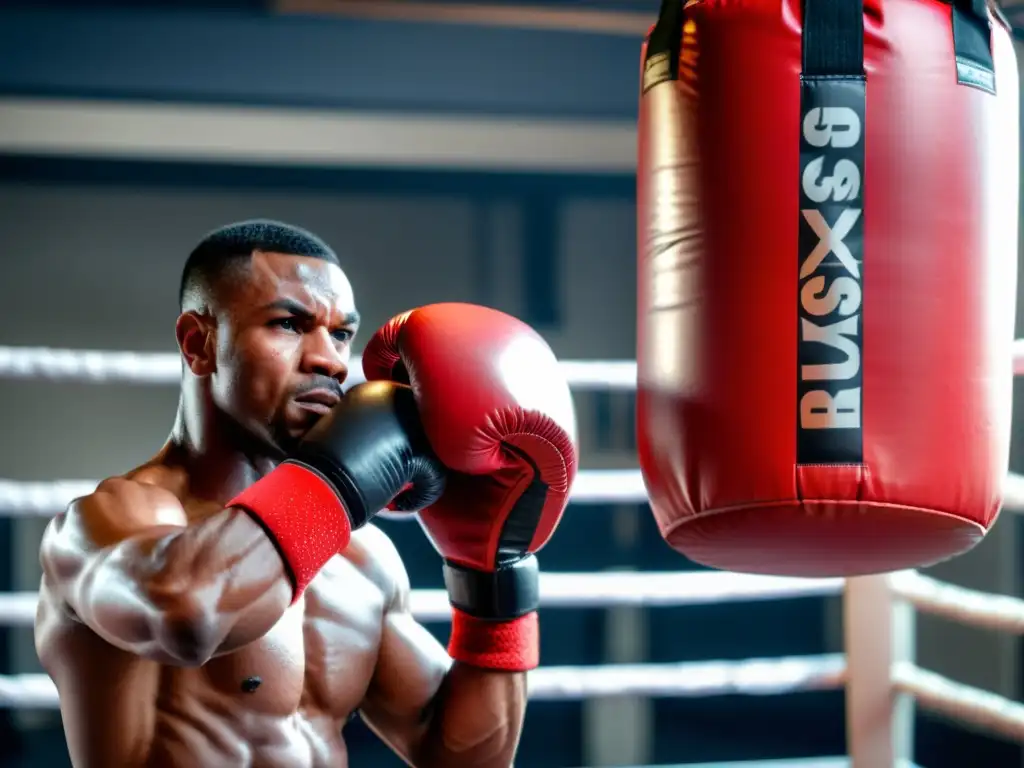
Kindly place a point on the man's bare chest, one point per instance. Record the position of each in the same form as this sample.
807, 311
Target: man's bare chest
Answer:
320, 656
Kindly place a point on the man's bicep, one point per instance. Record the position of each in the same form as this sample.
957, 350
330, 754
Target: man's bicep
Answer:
411, 666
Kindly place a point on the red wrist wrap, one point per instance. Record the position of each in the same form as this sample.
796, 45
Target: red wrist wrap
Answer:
303, 516
513, 645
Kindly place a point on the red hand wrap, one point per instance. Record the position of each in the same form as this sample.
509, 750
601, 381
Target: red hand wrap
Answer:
513, 646
303, 516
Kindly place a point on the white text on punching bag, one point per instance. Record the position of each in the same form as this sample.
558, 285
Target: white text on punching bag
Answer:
831, 304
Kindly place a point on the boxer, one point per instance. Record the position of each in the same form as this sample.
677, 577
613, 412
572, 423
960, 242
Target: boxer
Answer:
226, 603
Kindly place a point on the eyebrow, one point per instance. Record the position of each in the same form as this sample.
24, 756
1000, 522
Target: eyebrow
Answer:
299, 310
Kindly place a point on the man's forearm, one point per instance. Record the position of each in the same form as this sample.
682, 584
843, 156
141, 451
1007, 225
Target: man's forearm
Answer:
177, 596
476, 720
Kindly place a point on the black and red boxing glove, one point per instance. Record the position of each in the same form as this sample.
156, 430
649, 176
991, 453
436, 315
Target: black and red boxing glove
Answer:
368, 453
498, 413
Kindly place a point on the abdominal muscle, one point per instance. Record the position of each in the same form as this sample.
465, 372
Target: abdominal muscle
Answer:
208, 734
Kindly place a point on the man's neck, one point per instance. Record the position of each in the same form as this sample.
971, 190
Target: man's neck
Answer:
219, 458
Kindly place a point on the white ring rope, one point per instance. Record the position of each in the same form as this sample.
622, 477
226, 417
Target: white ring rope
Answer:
104, 367
18, 499
89, 366
594, 486
755, 677
98, 366
962, 703
965, 606
27, 499
579, 590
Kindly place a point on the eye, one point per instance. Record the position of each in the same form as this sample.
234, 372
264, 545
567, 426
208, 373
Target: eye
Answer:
343, 335
285, 323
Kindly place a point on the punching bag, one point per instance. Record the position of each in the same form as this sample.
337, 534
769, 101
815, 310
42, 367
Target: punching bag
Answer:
827, 221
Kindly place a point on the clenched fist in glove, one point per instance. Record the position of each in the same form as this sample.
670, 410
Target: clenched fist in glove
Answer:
498, 413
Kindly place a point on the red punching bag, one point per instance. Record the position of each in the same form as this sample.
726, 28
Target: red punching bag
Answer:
827, 280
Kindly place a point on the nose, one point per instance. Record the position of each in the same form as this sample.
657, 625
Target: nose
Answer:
321, 355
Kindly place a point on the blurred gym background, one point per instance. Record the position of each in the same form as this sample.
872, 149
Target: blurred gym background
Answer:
471, 151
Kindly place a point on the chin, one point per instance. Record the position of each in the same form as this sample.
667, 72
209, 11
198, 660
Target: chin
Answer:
253, 438
289, 440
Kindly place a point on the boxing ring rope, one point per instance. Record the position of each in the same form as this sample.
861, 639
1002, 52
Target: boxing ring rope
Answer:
43, 499
959, 702
103, 367
580, 590
967, 606
695, 679
877, 669
623, 486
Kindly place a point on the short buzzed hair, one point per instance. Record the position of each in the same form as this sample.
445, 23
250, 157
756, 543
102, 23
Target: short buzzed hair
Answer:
225, 247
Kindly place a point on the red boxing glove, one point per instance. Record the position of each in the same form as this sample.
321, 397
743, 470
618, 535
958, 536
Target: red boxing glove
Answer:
497, 411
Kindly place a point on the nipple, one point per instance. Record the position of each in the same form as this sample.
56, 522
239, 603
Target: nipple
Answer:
250, 684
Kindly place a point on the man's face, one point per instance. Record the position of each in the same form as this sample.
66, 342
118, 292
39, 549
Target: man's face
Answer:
284, 339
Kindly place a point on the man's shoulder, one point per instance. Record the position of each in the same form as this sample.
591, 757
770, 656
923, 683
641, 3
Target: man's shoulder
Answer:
151, 479
123, 504
158, 477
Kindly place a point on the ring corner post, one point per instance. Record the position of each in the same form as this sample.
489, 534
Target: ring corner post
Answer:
879, 634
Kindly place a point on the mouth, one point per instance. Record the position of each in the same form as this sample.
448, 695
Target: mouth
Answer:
319, 401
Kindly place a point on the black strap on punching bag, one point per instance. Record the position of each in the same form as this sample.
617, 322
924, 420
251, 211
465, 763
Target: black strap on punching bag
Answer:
972, 44
833, 38
830, 340
664, 44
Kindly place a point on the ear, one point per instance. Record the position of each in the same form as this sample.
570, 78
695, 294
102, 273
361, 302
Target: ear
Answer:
197, 342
